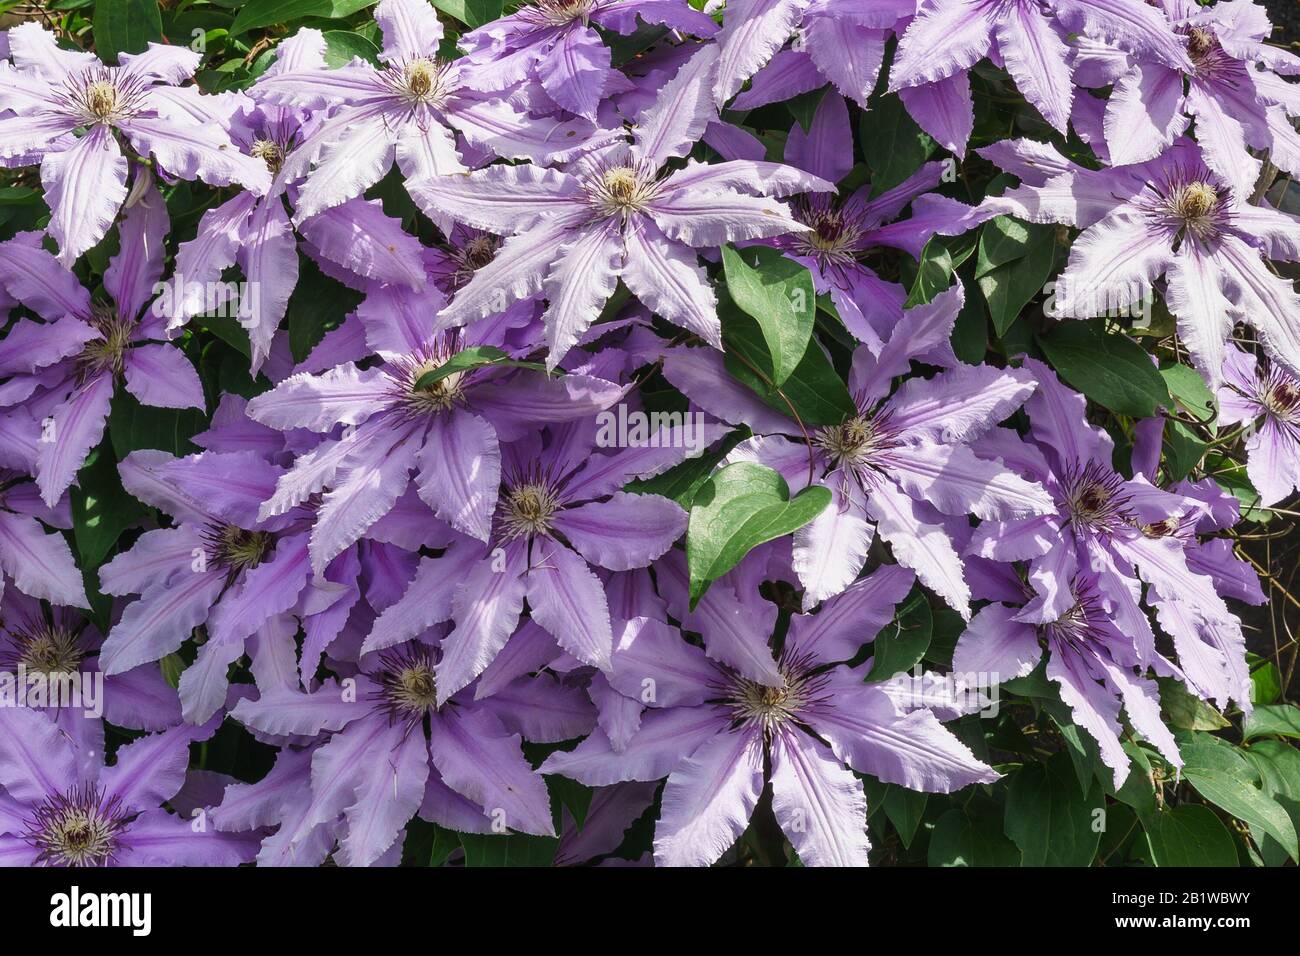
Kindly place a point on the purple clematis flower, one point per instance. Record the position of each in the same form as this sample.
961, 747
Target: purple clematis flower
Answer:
70, 809
553, 42
255, 231
1257, 393
614, 214
841, 235
54, 93
715, 733
72, 362
447, 432
1107, 536
840, 41
1096, 665
409, 111
561, 507
40, 564
897, 467
1233, 92
948, 37
397, 750
1171, 217
55, 642
219, 565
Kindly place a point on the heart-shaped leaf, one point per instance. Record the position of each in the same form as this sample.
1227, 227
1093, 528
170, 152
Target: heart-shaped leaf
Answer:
778, 293
735, 511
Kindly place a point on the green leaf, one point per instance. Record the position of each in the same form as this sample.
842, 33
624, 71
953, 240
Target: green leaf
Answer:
777, 293
514, 849
317, 305
683, 481
132, 426
961, 840
941, 257
905, 808
1014, 265
814, 390
1265, 680
1047, 817
445, 842
892, 144
902, 643
1189, 390
342, 45
264, 13
1186, 711
1272, 720
1111, 369
472, 13
1226, 779
476, 356
125, 26
1189, 835
101, 508
1002, 240
1278, 764
736, 510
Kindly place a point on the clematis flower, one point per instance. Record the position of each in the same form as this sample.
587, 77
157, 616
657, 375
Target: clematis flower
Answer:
55, 93
1262, 395
447, 432
836, 40
56, 641
1029, 37
409, 111
1233, 92
561, 508
615, 214
553, 42
897, 467
1106, 537
720, 737
219, 565
70, 809
39, 563
1097, 666
255, 231
395, 749
70, 364
840, 235
1176, 218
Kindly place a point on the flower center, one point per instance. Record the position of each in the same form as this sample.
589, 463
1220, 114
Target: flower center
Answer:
1282, 398
101, 99
620, 191
439, 396
1094, 499
408, 687
106, 353
474, 255
855, 442
47, 649
1160, 529
560, 12
755, 704
77, 828
831, 236
528, 509
425, 80
269, 152
1195, 202
236, 549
